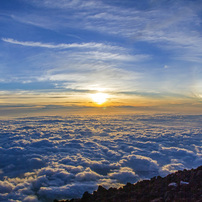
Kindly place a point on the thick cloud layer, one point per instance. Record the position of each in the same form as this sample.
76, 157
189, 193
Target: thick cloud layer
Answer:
55, 157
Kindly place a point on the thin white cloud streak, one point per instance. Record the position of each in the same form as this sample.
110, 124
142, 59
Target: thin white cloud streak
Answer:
69, 4
97, 55
56, 46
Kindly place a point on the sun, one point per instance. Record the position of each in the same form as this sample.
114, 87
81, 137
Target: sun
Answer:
99, 98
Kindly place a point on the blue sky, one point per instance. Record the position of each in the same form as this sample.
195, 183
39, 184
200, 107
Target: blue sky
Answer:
140, 53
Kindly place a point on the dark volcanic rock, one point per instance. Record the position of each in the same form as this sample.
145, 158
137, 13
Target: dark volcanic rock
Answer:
182, 186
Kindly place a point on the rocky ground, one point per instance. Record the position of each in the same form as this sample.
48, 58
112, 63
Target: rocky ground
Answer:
182, 186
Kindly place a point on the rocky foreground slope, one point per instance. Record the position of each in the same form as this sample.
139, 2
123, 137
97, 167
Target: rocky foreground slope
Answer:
182, 186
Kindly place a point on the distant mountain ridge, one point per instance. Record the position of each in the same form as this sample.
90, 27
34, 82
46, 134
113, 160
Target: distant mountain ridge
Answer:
181, 186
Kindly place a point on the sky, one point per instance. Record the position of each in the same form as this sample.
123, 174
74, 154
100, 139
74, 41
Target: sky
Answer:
140, 55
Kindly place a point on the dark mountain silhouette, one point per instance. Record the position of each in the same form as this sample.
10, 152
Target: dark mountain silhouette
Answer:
181, 186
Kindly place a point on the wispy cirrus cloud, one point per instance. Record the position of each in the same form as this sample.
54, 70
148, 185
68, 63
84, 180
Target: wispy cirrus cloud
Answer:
88, 67
110, 44
107, 52
56, 46
173, 26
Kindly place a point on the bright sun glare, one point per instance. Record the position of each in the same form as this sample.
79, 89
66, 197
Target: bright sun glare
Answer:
99, 98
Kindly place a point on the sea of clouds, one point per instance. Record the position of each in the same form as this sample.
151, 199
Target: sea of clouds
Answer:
44, 158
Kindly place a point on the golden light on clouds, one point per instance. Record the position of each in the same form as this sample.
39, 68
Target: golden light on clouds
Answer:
99, 98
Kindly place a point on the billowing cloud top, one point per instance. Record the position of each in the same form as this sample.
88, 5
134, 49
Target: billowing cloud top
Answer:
55, 157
